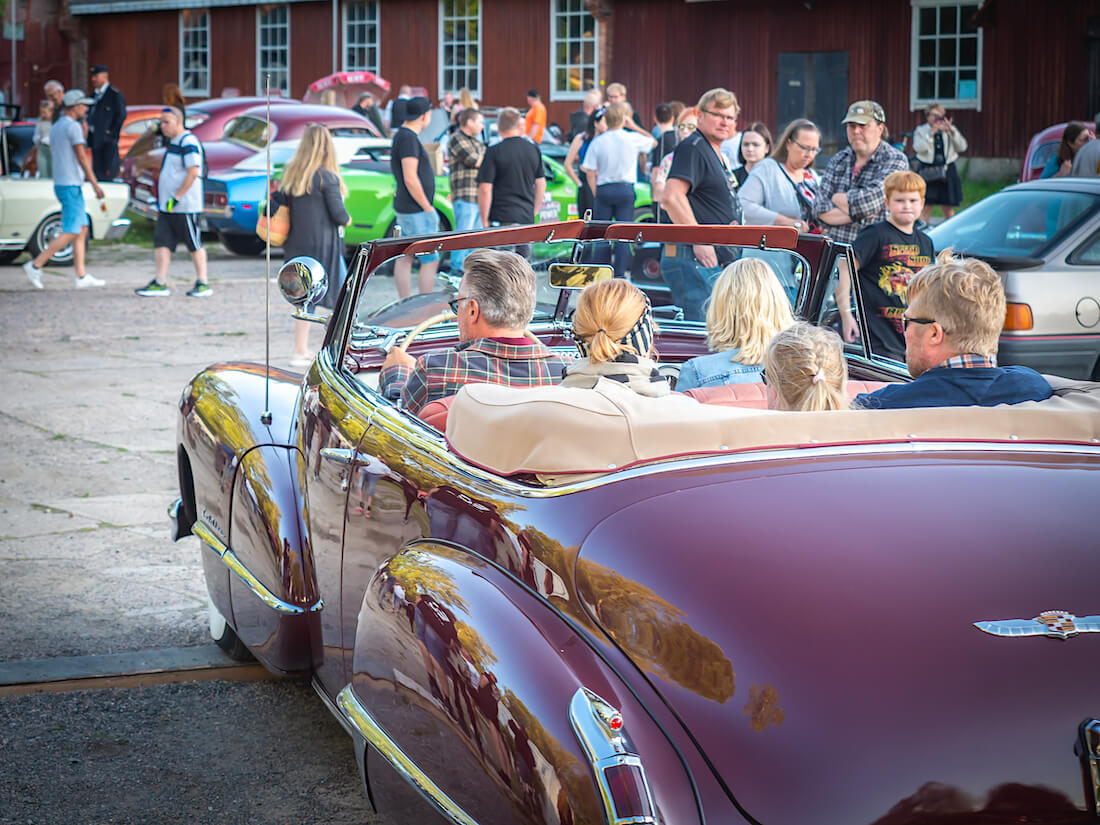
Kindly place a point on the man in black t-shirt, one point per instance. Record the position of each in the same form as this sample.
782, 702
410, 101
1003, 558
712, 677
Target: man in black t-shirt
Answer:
698, 192
888, 254
511, 182
413, 195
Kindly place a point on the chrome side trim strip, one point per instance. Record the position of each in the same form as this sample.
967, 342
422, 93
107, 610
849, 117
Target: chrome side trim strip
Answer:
364, 723
229, 558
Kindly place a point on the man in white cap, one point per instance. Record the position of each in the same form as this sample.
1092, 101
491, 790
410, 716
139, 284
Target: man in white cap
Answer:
70, 169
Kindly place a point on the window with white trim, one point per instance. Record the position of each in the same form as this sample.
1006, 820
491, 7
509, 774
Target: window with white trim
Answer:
460, 46
361, 37
195, 52
574, 52
273, 49
946, 63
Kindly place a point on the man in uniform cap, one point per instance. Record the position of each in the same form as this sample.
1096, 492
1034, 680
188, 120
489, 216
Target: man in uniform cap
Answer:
105, 123
851, 196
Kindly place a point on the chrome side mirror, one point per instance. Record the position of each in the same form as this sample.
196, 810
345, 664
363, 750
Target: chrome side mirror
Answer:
302, 281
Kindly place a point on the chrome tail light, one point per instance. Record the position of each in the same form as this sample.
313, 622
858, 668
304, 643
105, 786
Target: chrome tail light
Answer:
617, 767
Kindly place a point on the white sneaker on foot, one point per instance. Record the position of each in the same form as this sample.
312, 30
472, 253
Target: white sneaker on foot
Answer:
34, 274
89, 281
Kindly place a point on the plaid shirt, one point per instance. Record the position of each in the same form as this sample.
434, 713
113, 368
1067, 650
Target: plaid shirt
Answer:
968, 360
463, 154
482, 361
866, 197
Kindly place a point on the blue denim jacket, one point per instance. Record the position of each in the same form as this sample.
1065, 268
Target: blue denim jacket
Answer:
716, 369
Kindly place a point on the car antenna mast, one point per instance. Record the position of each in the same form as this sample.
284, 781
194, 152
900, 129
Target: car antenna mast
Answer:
265, 416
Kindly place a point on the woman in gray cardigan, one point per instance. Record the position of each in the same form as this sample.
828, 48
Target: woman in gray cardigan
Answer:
315, 192
780, 191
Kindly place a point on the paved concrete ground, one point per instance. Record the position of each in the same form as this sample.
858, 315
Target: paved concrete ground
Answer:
87, 469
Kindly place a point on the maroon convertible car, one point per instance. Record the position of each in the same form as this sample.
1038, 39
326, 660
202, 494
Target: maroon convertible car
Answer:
561, 605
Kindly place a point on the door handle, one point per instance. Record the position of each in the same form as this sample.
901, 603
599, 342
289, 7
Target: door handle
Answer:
341, 455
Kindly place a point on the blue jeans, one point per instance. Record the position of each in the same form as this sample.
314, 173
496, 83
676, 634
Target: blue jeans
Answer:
466, 217
615, 202
419, 223
689, 284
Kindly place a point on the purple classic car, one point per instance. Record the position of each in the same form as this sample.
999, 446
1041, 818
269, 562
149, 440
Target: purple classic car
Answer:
555, 605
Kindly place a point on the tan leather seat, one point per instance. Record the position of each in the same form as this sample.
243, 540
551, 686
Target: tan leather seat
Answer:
754, 396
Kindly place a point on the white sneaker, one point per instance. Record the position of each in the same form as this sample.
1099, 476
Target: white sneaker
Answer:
34, 274
89, 281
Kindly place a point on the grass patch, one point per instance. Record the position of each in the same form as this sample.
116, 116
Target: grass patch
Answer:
235, 334
974, 191
45, 508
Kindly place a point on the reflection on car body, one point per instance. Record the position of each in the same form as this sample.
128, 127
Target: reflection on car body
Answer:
567, 610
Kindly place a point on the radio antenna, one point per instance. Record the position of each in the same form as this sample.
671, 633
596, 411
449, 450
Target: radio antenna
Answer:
265, 416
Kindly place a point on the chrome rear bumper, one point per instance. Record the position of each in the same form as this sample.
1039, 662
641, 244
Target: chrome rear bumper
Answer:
119, 227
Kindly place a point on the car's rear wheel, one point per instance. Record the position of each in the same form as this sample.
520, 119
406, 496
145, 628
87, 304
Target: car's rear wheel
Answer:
45, 232
10, 255
243, 244
225, 637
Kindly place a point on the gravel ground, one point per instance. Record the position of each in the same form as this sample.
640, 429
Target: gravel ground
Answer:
262, 753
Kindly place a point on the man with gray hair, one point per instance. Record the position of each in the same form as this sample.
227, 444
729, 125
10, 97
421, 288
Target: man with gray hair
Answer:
494, 304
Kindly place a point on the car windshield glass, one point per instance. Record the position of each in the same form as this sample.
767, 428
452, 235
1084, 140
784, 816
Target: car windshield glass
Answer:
1015, 223
678, 300
250, 130
280, 156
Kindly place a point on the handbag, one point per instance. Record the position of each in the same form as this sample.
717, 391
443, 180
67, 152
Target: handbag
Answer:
932, 172
812, 226
275, 228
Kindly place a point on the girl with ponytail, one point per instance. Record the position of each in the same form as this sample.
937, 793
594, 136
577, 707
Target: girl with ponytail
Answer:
613, 329
805, 370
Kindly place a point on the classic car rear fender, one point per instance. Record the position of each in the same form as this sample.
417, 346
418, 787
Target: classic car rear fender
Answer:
239, 493
469, 688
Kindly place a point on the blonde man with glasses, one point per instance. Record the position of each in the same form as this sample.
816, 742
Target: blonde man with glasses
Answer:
851, 196
699, 190
952, 324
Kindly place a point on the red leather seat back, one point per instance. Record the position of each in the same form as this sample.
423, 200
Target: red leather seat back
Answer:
435, 412
754, 396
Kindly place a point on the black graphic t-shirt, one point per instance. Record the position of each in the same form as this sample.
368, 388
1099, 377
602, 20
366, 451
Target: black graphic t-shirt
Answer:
887, 259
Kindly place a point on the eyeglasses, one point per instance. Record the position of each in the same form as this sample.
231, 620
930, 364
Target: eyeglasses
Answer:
813, 150
458, 299
906, 321
687, 127
721, 117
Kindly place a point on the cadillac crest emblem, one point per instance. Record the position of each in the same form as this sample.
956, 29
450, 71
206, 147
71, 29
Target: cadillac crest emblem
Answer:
1057, 624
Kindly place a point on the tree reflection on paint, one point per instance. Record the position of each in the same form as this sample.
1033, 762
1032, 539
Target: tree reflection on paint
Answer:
763, 708
654, 633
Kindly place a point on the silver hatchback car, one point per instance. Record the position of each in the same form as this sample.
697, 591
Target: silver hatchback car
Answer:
1044, 238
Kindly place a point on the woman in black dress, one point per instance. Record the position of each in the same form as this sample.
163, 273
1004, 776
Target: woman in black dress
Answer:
938, 143
315, 192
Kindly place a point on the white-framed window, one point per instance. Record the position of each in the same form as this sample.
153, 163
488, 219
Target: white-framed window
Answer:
273, 48
946, 62
574, 50
460, 46
195, 52
361, 36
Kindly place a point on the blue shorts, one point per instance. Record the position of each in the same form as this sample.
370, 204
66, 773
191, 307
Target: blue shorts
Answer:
73, 214
419, 223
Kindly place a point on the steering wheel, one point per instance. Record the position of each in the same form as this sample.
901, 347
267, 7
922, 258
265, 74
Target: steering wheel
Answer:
446, 315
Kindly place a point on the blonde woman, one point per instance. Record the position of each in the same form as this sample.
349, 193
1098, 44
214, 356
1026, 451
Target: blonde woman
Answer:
805, 370
614, 330
315, 192
747, 308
